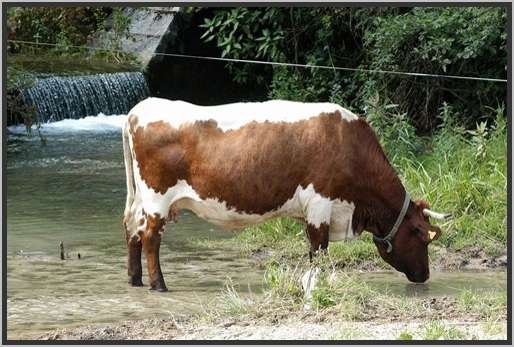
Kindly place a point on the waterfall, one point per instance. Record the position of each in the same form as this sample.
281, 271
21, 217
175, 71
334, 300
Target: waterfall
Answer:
56, 98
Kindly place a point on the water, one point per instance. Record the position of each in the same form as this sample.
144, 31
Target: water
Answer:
56, 98
73, 190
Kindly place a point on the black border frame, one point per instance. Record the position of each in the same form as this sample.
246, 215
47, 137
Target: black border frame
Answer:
505, 4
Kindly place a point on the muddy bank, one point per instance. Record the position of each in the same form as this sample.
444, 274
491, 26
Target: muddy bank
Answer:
468, 258
440, 318
290, 330
472, 258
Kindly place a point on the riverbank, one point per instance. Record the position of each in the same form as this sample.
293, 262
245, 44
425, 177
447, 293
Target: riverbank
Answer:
343, 308
340, 330
283, 241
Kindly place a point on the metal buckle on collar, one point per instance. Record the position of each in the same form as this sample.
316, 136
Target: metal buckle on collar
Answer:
389, 237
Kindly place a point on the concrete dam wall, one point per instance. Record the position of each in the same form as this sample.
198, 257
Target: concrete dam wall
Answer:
175, 30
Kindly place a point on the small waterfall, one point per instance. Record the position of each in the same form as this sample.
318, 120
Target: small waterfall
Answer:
56, 98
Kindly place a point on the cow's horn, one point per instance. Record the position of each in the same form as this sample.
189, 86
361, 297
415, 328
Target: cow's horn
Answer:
436, 215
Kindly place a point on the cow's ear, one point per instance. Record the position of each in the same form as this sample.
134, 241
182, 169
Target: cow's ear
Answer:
428, 232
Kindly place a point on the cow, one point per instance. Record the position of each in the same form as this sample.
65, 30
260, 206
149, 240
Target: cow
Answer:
240, 164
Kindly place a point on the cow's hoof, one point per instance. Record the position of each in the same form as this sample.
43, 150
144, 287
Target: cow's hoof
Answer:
135, 281
159, 287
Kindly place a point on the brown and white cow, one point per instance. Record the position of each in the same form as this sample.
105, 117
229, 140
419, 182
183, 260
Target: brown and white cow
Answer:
240, 164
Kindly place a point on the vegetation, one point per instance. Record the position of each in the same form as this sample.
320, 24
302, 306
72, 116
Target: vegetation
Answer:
437, 330
345, 297
68, 31
455, 41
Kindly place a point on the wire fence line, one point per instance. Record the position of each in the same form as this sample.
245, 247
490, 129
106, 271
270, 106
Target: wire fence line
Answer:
262, 62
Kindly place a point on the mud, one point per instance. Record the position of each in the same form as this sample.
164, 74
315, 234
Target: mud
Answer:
468, 258
290, 330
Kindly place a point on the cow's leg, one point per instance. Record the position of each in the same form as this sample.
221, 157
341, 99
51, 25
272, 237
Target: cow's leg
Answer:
318, 239
151, 240
135, 270
133, 223
317, 218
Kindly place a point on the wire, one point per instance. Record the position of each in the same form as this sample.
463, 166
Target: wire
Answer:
249, 61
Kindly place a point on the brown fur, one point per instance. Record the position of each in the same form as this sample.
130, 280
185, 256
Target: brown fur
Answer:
257, 168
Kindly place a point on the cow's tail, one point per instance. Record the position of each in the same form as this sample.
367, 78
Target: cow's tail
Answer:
129, 169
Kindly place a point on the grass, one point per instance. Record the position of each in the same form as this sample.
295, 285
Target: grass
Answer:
494, 327
485, 304
46, 62
404, 335
346, 296
438, 330
349, 333
465, 173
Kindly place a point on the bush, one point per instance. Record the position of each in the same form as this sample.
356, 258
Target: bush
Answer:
467, 41
453, 40
64, 26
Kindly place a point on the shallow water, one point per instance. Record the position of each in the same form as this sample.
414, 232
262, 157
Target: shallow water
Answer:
73, 190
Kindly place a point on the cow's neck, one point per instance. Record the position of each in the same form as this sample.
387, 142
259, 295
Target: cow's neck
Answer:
378, 212
378, 192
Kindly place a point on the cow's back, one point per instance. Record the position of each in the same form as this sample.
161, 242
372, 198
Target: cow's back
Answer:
231, 116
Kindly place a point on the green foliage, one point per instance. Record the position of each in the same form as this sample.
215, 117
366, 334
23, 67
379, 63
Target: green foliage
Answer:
465, 175
324, 295
452, 40
456, 41
62, 25
284, 282
242, 32
69, 29
395, 131
119, 31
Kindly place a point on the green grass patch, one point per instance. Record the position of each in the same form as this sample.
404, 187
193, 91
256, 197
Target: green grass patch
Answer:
495, 326
75, 64
347, 297
283, 282
438, 330
467, 177
485, 304
404, 335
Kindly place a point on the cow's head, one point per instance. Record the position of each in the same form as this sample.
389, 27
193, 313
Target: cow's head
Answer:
409, 251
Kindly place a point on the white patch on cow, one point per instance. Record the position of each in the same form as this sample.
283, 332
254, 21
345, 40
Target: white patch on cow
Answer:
231, 116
